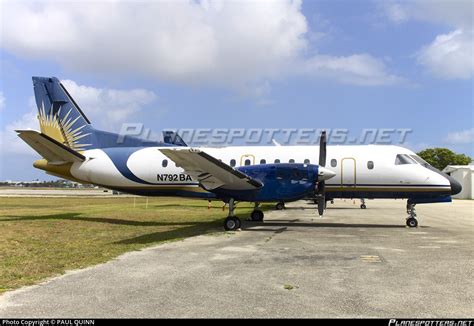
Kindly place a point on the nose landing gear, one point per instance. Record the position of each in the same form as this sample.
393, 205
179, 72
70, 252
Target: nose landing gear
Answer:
412, 222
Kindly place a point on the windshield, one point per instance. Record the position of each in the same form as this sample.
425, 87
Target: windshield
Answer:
420, 160
404, 159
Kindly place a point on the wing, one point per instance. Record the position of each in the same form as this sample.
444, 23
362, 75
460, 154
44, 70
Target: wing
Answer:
209, 171
50, 149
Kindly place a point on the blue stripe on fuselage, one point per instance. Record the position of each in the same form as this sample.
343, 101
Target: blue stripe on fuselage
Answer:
119, 157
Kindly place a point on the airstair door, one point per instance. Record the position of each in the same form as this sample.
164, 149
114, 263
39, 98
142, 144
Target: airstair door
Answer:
348, 172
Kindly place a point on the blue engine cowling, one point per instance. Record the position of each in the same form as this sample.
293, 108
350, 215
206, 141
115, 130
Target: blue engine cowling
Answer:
281, 182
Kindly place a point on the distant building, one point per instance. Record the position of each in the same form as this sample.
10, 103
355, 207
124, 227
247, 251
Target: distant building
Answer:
59, 183
464, 174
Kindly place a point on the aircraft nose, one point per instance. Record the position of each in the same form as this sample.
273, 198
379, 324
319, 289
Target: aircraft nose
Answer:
456, 187
324, 174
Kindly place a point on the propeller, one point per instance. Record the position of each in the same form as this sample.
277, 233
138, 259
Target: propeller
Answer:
321, 185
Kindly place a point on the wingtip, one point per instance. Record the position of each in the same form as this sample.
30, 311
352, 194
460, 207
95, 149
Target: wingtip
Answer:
19, 131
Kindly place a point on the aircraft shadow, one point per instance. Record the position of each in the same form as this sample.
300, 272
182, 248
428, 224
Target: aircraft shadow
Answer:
175, 234
181, 206
182, 229
249, 226
78, 217
315, 208
195, 228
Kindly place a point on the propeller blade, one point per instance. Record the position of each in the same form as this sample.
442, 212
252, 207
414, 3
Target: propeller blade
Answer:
322, 149
321, 197
324, 174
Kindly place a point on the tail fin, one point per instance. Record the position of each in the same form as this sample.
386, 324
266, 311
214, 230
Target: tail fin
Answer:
60, 117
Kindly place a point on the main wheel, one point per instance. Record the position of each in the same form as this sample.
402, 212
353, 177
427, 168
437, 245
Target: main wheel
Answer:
239, 223
412, 222
363, 206
280, 206
256, 215
231, 223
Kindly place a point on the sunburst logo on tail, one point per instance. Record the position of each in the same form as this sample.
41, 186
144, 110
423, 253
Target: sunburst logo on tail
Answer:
62, 130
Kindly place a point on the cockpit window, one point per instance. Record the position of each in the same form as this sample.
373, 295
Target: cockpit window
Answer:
404, 159
420, 160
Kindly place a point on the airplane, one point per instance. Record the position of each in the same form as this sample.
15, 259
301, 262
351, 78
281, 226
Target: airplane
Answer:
73, 149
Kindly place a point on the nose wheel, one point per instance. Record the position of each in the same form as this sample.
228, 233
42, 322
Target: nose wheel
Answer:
412, 221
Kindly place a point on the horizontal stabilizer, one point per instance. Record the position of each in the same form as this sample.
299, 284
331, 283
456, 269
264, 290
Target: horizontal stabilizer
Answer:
209, 171
48, 148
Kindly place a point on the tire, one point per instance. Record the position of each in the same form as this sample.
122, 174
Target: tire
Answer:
256, 215
363, 206
412, 222
239, 222
280, 206
231, 224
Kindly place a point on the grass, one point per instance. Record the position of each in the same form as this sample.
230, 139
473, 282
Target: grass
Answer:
43, 237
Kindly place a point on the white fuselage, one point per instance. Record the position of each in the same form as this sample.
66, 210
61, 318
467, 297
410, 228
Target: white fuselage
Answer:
365, 169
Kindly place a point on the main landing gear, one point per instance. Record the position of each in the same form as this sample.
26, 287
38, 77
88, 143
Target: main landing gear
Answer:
280, 206
412, 222
232, 222
256, 215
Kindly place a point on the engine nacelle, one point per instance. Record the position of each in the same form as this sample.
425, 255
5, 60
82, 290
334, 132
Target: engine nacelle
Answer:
281, 182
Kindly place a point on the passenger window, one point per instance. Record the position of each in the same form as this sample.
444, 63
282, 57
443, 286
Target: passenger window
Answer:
291, 161
370, 165
277, 161
307, 161
164, 163
333, 163
232, 163
263, 161
247, 162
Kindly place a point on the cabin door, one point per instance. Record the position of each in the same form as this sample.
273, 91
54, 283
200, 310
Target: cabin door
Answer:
348, 172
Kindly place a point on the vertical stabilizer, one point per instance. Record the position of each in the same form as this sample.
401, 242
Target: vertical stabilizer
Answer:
60, 117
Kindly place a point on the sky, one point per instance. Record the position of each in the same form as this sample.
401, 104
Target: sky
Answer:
242, 64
